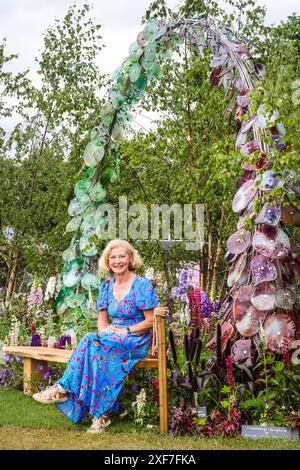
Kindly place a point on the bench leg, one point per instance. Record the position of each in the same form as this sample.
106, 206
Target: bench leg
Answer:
33, 372
162, 371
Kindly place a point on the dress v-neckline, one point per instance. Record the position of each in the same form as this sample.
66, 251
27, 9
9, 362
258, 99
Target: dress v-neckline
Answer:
112, 290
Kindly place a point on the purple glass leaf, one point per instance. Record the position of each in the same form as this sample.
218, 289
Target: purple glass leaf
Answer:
241, 350
249, 147
269, 215
244, 195
237, 47
242, 101
263, 270
239, 241
263, 297
248, 123
219, 60
280, 331
285, 298
237, 269
271, 242
269, 180
290, 215
246, 176
248, 319
229, 257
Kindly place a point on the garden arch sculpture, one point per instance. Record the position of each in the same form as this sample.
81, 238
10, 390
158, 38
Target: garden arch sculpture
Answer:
263, 263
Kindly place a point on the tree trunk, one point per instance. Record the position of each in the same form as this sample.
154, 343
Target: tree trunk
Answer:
217, 258
12, 275
210, 258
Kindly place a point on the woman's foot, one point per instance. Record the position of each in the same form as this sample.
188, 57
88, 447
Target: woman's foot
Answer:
50, 395
99, 424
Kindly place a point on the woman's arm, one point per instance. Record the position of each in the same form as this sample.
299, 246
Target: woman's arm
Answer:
142, 326
102, 321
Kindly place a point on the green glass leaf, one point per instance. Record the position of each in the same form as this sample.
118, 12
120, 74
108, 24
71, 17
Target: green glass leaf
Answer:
82, 187
93, 154
135, 72
70, 253
107, 114
90, 281
150, 30
75, 300
76, 206
117, 99
108, 174
90, 171
154, 72
99, 136
135, 51
141, 84
88, 226
74, 224
98, 193
118, 133
86, 247
150, 51
72, 274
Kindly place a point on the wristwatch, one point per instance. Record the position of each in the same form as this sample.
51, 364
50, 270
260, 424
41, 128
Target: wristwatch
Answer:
128, 330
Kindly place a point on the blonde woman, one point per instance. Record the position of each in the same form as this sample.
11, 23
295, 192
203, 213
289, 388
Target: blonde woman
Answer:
97, 368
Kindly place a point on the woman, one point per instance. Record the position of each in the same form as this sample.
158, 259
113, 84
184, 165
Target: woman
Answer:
97, 368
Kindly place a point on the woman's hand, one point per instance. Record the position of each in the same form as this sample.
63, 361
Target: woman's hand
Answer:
107, 329
119, 331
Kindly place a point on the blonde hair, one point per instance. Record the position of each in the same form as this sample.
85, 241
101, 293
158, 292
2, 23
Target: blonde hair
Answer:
135, 261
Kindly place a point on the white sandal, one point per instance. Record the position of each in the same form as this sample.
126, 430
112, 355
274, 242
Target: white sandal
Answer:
99, 424
50, 395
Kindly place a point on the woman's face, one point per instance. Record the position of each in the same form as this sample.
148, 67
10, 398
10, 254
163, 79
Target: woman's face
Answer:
119, 260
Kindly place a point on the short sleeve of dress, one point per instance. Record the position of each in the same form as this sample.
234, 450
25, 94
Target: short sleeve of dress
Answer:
102, 301
146, 297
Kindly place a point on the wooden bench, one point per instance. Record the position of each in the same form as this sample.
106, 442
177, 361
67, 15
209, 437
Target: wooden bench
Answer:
35, 361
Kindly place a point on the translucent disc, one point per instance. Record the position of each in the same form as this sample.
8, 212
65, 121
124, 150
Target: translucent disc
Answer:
280, 331
271, 242
241, 350
244, 195
269, 180
285, 297
239, 241
237, 269
248, 319
263, 270
290, 215
263, 297
269, 215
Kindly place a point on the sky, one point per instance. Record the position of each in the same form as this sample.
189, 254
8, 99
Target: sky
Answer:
23, 22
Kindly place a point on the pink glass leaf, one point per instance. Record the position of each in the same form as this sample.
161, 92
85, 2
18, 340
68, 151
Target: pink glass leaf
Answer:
263, 297
244, 195
285, 298
262, 163
248, 123
290, 215
280, 331
215, 76
141, 40
271, 242
263, 270
239, 241
227, 332
248, 319
237, 269
249, 147
241, 350
237, 47
269, 215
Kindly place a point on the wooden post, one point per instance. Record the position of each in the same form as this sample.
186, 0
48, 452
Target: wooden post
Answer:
162, 368
33, 372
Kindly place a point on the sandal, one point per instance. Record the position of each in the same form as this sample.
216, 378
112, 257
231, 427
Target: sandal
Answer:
50, 395
99, 424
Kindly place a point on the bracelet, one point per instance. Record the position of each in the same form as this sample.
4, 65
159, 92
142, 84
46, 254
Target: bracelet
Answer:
128, 330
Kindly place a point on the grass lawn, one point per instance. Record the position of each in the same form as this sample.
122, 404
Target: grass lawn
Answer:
26, 424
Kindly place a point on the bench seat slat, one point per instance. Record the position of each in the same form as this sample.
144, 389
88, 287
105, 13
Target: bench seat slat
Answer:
59, 355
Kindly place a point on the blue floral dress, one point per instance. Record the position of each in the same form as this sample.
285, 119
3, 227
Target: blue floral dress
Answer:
95, 373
